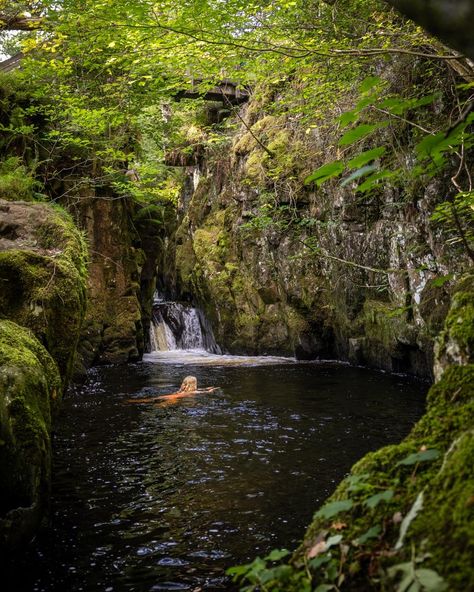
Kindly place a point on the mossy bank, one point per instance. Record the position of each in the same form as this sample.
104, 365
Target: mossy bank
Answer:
43, 268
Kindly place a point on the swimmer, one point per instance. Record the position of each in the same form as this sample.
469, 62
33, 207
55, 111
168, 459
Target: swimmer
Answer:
188, 388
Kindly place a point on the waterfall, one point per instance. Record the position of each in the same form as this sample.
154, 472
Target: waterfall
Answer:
180, 326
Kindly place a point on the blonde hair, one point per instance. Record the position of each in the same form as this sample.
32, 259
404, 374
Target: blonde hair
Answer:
188, 385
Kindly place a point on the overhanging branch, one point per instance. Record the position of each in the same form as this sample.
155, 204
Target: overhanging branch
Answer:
19, 23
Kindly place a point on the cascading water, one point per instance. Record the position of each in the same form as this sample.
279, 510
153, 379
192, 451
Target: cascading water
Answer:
177, 326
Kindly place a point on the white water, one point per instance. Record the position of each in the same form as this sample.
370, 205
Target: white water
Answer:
161, 337
181, 335
200, 357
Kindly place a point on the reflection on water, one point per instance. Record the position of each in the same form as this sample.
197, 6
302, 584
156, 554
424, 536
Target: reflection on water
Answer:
149, 498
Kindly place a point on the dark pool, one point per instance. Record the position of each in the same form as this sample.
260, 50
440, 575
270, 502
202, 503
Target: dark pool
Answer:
152, 499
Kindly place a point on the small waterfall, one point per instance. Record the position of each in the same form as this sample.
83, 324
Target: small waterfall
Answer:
180, 326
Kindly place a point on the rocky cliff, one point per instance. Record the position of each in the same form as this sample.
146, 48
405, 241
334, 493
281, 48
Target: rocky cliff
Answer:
282, 267
42, 304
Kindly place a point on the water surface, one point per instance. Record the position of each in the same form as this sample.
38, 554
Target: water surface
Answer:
152, 498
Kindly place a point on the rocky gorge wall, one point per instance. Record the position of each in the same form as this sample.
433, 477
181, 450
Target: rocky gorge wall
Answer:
282, 267
43, 266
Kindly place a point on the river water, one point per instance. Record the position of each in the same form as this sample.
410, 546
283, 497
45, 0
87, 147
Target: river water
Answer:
149, 498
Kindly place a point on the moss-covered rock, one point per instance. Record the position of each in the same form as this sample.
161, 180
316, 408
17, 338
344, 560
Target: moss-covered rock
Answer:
30, 387
43, 272
112, 330
426, 521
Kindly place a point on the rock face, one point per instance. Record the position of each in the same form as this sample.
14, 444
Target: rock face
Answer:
282, 267
30, 386
42, 304
112, 331
124, 242
43, 272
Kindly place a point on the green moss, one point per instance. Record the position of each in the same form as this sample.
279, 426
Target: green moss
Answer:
44, 284
30, 387
446, 524
455, 344
16, 181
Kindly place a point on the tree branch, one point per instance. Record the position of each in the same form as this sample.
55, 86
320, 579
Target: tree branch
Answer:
19, 23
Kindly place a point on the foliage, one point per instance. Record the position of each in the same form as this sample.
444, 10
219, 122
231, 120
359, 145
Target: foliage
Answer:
17, 182
434, 151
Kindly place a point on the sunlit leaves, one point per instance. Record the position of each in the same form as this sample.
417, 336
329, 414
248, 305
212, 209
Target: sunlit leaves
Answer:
358, 133
399, 105
365, 157
369, 83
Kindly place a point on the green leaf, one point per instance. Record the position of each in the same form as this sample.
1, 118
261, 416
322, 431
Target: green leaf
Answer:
374, 500
363, 103
333, 540
334, 508
238, 570
349, 117
373, 180
365, 170
277, 554
325, 172
325, 588
317, 562
369, 83
356, 482
358, 133
280, 572
430, 580
417, 457
398, 105
366, 157
429, 144
405, 568
372, 533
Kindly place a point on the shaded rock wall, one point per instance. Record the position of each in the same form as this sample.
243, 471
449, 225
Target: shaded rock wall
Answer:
42, 304
281, 267
112, 331
123, 250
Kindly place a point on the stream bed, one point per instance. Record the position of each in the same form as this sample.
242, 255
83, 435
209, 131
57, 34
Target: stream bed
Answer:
149, 498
